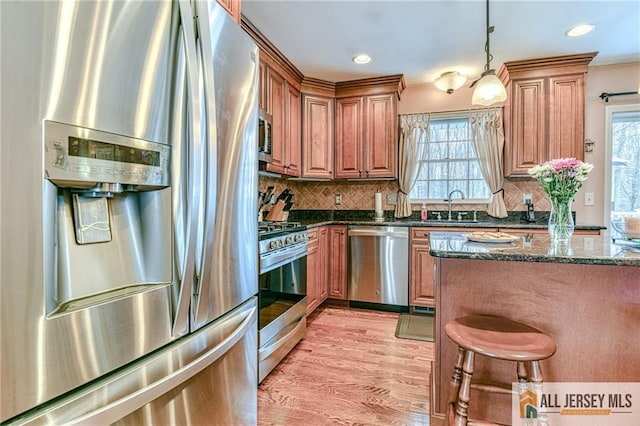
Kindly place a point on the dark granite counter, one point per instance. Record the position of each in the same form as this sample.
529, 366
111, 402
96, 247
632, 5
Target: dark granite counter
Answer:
313, 218
583, 249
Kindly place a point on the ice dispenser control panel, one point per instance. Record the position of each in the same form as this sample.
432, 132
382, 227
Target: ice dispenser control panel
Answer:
80, 157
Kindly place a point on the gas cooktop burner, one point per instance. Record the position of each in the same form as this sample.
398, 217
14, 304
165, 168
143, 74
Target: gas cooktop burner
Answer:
273, 229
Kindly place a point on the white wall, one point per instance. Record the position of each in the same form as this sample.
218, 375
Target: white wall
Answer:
611, 78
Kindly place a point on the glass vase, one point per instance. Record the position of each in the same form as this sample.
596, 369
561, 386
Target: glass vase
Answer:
561, 220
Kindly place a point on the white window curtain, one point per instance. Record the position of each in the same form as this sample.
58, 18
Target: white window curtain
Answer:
488, 139
413, 143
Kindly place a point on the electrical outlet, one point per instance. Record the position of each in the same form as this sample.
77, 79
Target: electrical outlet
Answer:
392, 199
587, 243
338, 199
589, 198
527, 196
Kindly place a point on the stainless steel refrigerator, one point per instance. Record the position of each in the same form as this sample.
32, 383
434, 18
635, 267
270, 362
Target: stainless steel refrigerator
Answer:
128, 211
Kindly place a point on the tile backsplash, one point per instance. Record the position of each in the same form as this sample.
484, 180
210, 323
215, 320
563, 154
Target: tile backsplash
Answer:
359, 195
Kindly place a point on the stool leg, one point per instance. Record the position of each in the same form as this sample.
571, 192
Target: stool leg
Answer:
454, 387
522, 372
522, 377
462, 407
536, 379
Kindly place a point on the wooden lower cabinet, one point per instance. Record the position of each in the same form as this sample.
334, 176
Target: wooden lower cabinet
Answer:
317, 267
421, 270
337, 257
421, 265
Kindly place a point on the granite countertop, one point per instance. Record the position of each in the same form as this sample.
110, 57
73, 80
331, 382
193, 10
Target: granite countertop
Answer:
313, 218
583, 249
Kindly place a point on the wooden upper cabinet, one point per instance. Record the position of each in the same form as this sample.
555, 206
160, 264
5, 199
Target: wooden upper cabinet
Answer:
276, 106
544, 111
317, 137
262, 85
282, 99
381, 136
292, 139
367, 127
566, 116
349, 137
232, 7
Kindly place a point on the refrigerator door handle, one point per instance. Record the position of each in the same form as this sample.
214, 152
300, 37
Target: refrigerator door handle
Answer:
200, 313
124, 406
187, 61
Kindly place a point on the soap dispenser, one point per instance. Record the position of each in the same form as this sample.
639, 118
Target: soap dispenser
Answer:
423, 213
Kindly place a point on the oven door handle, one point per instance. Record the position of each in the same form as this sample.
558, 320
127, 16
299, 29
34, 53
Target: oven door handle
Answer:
277, 259
284, 334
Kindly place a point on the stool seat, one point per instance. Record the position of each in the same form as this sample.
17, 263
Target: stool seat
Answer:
493, 337
501, 338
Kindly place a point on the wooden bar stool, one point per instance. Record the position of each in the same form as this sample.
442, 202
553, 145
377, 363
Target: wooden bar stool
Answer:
494, 337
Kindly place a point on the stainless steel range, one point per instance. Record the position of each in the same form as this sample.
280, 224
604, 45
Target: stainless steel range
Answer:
283, 291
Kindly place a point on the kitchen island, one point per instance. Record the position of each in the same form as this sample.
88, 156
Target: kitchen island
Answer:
585, 295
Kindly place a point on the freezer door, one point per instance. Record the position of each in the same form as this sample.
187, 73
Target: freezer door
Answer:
228, 261
209, 377
94, 65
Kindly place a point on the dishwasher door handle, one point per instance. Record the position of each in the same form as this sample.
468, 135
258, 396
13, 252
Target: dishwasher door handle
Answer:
375, 233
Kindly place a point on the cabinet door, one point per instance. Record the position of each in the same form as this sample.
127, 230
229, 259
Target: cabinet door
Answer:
317, 137
381, 136
525, 142
338, 262
232, 7
349, 138
566, 117
276, 102
262, 84
293, 140
312, 271
322, 286
421, 278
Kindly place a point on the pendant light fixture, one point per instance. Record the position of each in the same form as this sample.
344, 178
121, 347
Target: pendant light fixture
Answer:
489, 89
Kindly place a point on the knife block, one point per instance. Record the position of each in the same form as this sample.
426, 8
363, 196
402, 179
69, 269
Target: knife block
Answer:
277, 213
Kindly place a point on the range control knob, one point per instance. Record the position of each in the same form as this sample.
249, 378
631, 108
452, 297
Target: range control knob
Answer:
273, 245
288, 240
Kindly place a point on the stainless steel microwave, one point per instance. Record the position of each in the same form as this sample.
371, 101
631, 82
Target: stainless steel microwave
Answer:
264, 137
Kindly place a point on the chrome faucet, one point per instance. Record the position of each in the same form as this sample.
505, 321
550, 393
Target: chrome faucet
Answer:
449, 201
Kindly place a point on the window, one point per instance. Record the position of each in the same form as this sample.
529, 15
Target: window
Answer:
451, 164
623, 164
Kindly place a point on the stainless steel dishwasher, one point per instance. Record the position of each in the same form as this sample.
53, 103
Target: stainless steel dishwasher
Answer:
379, 264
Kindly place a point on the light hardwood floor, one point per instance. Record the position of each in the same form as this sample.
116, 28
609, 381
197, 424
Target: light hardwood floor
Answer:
350, 369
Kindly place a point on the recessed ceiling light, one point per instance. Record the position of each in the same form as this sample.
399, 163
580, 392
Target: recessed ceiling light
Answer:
580, 30
361, 59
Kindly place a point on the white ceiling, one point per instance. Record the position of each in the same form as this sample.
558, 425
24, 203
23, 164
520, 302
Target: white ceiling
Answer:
423, 38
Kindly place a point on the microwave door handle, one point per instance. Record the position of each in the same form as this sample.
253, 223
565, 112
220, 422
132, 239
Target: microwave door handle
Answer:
189, 180
210, 148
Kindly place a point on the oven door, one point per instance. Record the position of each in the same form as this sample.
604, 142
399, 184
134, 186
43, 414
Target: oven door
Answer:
282, 315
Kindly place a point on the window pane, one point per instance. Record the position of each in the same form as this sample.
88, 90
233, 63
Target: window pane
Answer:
625, 167
458, 150
452, 163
